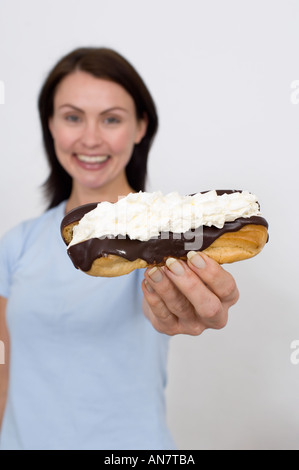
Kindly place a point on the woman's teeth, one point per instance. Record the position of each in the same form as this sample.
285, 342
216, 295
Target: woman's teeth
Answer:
93, 159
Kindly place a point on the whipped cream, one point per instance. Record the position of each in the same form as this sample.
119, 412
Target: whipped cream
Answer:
143, 215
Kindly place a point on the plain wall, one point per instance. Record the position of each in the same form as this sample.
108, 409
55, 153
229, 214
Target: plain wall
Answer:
221, 72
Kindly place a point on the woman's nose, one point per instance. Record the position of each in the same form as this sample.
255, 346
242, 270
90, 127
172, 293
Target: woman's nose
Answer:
92, 135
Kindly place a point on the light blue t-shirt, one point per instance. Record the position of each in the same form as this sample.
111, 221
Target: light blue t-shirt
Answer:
87, 369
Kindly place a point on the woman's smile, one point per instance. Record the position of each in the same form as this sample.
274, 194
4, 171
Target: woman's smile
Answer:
91, 162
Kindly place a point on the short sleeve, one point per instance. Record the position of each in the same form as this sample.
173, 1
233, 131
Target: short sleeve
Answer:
10, 250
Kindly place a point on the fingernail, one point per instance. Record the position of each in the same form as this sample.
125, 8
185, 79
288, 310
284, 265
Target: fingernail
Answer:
149, 287
196, 259
155, 274
175, 266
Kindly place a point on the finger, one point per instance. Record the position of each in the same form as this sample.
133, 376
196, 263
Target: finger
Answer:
219, 281
163, 320
175, 301
156, 311
154, 300
206, 304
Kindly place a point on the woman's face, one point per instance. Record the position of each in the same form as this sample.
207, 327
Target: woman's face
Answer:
95, 128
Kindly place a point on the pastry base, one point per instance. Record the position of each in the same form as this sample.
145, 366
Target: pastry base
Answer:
228, 248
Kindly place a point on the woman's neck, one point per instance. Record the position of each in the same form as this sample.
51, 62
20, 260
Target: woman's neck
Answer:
80, 196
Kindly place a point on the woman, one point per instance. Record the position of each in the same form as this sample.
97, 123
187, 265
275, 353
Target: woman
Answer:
84, 368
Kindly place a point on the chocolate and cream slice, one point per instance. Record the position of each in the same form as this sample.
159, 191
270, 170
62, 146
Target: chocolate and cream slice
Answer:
147, 228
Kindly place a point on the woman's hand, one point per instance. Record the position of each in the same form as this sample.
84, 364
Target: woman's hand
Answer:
188, 297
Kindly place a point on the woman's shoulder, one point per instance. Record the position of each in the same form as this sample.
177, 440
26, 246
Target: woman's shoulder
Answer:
23, 230
23, 236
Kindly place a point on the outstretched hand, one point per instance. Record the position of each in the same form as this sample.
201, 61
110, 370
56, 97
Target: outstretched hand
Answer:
188, 297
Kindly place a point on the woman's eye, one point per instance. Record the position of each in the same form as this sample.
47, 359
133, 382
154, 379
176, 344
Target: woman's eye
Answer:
112, 120
72, 118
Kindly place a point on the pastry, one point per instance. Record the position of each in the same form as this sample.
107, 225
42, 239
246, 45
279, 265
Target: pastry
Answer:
144, 229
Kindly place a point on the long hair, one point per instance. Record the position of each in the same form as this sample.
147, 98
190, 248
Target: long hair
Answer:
106, 64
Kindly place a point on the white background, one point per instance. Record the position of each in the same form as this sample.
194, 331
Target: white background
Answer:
221, 74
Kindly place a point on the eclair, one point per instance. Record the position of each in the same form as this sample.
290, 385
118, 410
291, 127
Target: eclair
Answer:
144, 229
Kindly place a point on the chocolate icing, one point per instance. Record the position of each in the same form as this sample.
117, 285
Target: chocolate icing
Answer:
153, 251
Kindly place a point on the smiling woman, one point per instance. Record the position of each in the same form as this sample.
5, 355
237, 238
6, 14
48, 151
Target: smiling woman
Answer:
95, 128
88, 364
94, 66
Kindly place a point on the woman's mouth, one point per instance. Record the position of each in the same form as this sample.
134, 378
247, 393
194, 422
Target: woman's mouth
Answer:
93, 158
91, 162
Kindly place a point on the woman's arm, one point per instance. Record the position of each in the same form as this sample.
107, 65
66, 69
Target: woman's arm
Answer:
4, 338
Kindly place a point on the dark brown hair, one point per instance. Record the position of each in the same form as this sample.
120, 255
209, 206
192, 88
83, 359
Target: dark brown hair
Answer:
106, 64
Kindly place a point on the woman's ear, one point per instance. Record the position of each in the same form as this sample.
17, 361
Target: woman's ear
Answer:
142, 128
